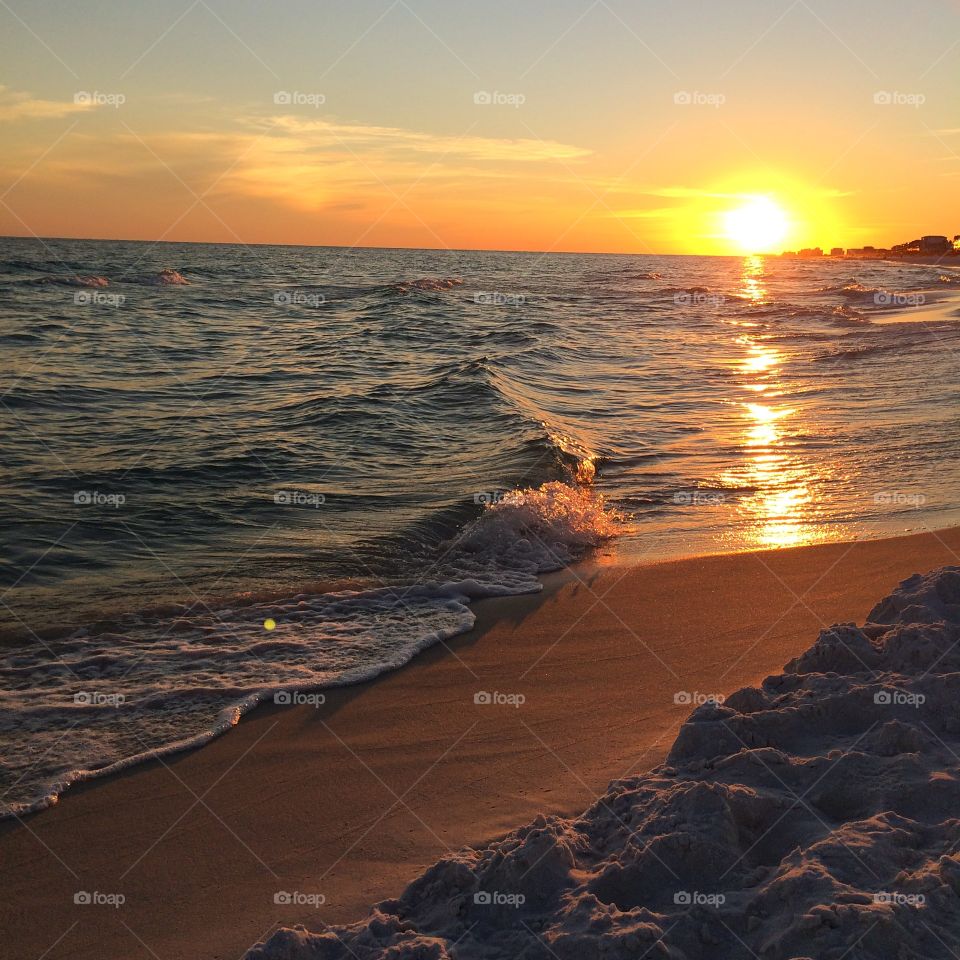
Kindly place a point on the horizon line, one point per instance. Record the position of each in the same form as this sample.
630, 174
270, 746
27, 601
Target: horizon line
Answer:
347, 246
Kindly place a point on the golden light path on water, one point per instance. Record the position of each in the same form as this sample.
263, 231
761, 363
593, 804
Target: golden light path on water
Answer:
786, 507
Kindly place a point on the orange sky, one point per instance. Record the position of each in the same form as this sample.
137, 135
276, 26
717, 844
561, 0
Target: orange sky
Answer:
616, 127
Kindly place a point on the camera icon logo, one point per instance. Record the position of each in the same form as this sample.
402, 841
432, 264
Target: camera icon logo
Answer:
283, 98
683, 98
883, 98
82, 897
482, 898
483, 98
482, 697
883, 698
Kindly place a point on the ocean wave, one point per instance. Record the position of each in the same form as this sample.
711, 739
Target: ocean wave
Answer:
639, 275
69, 281
669, 291
166, 277
846, 314
892, 343
162, 278
97, 703
426, 284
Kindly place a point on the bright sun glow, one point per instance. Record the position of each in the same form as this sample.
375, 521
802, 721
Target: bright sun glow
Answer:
758, 226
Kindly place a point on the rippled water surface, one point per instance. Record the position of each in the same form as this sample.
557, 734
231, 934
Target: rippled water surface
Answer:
349, 446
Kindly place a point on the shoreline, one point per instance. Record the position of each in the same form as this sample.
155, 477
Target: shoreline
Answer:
354, 799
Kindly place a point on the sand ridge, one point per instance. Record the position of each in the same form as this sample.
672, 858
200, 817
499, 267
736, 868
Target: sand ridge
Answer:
812, 816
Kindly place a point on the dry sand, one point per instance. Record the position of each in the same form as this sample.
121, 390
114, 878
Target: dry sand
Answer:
354, 799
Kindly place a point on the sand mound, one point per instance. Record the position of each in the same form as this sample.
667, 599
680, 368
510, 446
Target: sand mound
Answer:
815, 816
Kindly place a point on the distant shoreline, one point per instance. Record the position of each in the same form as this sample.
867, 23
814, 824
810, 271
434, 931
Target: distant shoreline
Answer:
950, 260
922, 260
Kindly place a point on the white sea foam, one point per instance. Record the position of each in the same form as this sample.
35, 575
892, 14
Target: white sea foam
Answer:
92, 704
539, 530
814, 816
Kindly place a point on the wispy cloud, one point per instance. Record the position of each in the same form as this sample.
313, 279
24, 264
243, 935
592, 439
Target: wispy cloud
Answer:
323, 133
17, 105
309, 163
695, 193
654, 213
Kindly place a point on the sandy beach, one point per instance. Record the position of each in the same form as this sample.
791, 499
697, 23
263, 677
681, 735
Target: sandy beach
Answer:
347, 802
479, 482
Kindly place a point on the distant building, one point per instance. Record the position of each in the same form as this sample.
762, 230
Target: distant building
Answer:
934, 245
809, 252
929, 245
836, 252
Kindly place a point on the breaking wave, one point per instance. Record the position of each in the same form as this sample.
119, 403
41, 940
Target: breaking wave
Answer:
98, 701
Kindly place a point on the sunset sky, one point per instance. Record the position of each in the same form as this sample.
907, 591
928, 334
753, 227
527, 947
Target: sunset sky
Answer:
612, 125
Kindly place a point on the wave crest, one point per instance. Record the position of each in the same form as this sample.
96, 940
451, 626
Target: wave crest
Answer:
549, 526
429, 284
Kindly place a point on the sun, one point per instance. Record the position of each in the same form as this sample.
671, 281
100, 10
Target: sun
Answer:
757, 226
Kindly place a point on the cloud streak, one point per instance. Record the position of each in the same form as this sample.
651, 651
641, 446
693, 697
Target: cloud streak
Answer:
18, 105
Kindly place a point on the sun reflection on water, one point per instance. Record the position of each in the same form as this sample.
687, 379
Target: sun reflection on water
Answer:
782, 508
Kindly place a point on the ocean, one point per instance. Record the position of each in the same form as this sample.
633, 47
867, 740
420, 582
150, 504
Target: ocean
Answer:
233, 474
